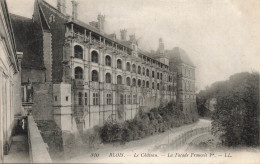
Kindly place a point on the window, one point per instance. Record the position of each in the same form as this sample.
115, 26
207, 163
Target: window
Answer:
134, 99
147, 72
153, 74
129, 99
153, 85
108, 78
158, 75
143, 83
161, 76
80, 98
169, 79
134, 68
128, 81
78, 73
158, 86
128, 66
119, 64
95, 99
134, 82
169, 88
121, 99
94, 56
94, 75
143, 71
119, 79
139, 83
56, 98
109, 99
108, 60
78, 52
139, 70
86, 98
67, 98
147, 84
125, 99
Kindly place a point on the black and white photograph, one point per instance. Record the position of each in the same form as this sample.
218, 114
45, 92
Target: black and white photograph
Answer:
130, 81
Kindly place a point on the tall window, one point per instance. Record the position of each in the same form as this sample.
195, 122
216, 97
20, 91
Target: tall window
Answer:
119, 79
129, 99
134, 68
143, 83
109, 99
158, 75
121, 99
95, 99
119, 64
134, 82
78, 73
94, 75
86, 98
161, 76
134, 99
78, 52
147, 84
153, 74
128, 66
108, 61
128, 81
139, 70
153, 85
94, 56
80, 98
147, 72
143, 71
158, 86
108, 78
139, 83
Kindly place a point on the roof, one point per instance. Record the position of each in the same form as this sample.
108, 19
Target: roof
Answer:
7, 34
179, 55
26, 42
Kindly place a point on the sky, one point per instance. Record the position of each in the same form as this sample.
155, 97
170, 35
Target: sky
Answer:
222, 37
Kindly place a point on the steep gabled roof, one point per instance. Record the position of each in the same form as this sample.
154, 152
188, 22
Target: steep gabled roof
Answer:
179, 55
26, 42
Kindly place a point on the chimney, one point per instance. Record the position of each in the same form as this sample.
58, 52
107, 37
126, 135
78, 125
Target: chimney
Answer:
74, 9
123, 34
132, 38
61, 5
161, 46
101, 23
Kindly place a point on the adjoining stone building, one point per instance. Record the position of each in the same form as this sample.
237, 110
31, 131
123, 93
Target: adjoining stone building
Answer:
82, 77
10, 83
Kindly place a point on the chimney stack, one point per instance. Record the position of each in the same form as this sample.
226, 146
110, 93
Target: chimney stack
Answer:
61, 5
161, 46
123, 34
74, 9
132, 38
101, 23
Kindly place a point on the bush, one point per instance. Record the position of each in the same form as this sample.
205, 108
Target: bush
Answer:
157, 120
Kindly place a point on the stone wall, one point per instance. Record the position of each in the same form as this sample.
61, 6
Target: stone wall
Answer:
42, 101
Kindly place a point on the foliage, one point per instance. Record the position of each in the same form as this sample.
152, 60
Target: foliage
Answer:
235, 119
157, 120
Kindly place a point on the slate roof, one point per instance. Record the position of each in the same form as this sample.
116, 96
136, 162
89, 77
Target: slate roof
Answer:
26, 42
179, 55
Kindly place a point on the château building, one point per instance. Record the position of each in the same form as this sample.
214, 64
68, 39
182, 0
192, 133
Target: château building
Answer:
77, 75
